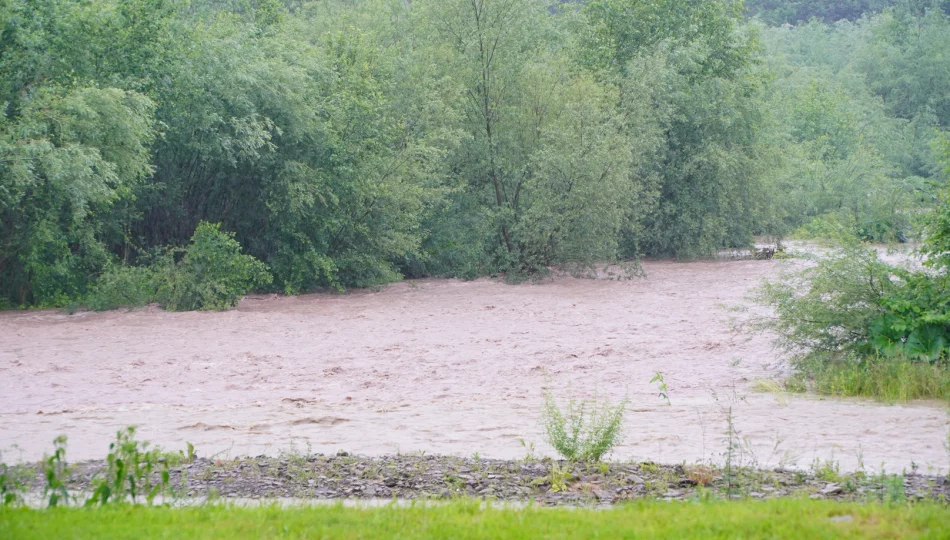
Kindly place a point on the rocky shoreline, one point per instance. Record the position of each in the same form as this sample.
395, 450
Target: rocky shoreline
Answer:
545, 482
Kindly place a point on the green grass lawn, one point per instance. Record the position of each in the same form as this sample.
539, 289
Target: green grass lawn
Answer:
750, 519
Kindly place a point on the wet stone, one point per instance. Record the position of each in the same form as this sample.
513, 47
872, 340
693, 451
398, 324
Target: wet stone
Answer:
831, 489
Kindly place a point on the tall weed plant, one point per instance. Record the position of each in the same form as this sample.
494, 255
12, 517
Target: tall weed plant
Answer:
13, 480
56, 473
585, 430
133, 472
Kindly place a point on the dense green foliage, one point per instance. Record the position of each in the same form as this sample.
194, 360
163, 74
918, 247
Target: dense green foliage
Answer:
862, 123
856, 108
468, 519
347, 144
209, 273
860, 326
852, 302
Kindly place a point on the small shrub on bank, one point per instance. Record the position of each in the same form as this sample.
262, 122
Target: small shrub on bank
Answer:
210, 273
586, 430
700, 475
213, 274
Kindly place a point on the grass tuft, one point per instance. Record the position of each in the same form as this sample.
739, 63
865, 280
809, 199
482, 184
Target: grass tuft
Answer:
885, 379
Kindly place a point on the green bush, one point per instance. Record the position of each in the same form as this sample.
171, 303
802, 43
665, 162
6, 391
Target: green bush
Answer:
915, 318
829, 307
852, 302
212, 274
123, 286
858, 326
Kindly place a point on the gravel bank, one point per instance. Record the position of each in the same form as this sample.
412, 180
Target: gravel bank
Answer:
546, 482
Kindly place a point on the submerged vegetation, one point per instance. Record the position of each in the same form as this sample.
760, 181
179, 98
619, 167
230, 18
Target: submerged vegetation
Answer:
334, 144
889, 379
209, 273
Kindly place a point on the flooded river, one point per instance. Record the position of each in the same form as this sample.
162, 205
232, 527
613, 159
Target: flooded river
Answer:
442, 366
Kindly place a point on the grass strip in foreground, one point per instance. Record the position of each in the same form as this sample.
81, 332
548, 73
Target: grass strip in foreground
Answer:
787, 518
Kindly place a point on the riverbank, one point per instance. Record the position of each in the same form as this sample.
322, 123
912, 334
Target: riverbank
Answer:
543, 482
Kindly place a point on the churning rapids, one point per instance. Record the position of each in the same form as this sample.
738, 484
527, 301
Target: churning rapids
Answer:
443, 366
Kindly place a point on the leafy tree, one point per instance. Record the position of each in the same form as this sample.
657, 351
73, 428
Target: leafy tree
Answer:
792, 12
841, 155
905, 64
620, 30
708, 193
65, 159
546, 168
852, 305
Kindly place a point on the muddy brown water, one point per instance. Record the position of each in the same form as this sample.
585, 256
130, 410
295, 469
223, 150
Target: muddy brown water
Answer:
442, 366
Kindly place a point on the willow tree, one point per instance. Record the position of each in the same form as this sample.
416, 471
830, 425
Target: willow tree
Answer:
545, 164
710, 193
66, 158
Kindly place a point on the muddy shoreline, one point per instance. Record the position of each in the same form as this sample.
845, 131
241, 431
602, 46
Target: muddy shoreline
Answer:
432, 477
